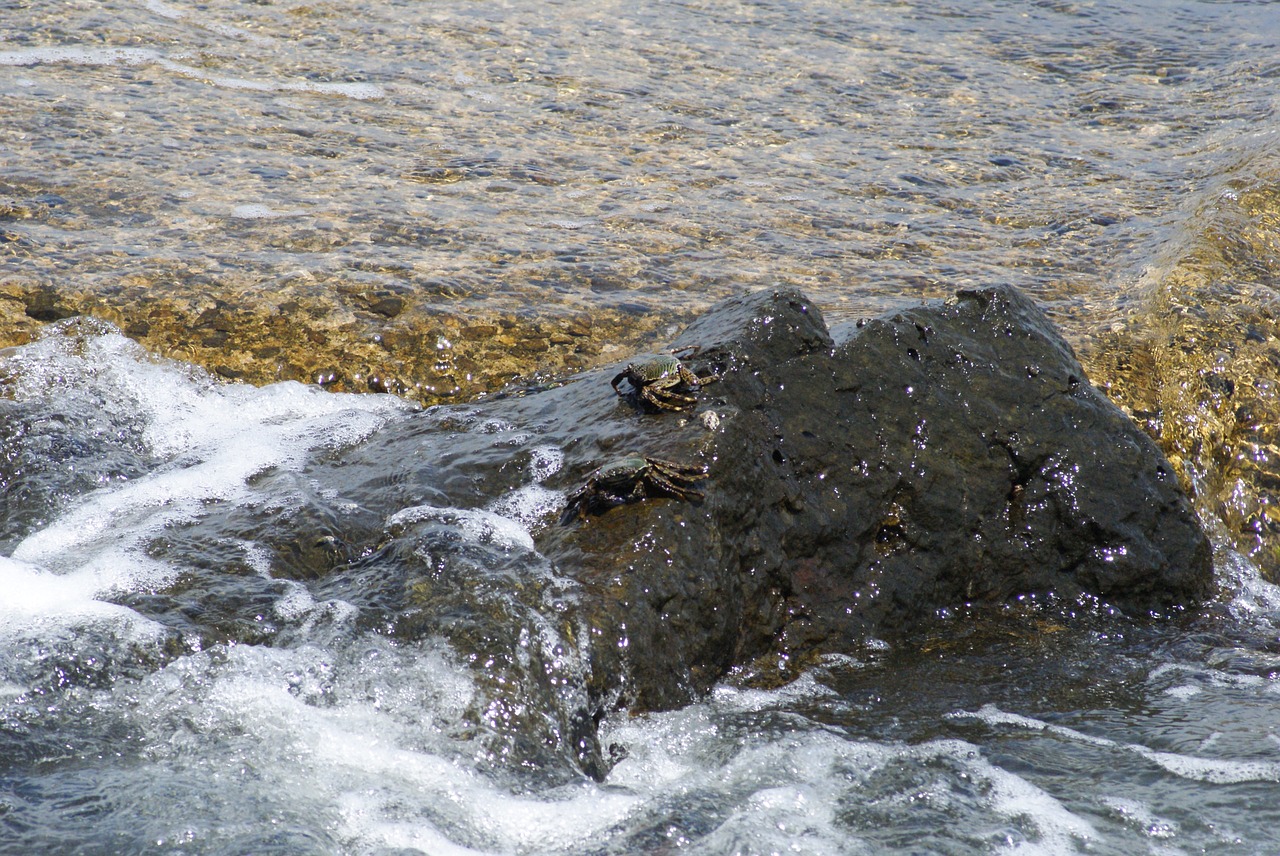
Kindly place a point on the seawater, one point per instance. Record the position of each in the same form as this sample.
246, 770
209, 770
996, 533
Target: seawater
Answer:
561, 156
299, 731
544, 156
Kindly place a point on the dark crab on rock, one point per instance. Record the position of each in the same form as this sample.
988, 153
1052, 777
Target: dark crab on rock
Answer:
659, 380
632, 479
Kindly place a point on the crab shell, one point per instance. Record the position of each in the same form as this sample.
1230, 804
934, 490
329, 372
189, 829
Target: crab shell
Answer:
657, 380
632, 479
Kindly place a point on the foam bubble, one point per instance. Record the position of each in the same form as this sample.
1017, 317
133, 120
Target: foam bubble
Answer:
799, 788
257, 557
1013, 796
259, 211
528, 506
1212, 770
47, 606
1255, 598
295, 603
164, 10
34, 593
79, 55
493, 426
184, 408
531, 505
784, 819
139, 509
544, 462
477, 525
355, 91
1139, 814
370, 817
802, 689
367, 732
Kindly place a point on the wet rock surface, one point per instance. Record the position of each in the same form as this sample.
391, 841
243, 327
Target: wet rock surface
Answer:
948, 455
859, 481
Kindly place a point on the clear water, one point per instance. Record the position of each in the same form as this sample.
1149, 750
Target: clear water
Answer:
541, 156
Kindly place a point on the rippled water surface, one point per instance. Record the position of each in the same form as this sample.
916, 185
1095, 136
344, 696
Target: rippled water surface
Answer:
170, 684
492, 154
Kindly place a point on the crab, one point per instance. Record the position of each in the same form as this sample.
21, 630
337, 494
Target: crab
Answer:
631, 479
658, 380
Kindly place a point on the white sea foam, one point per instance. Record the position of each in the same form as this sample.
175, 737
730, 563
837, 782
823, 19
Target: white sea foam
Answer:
1213, 770
477, 525
353, 90
258, 557
804, 688
219, 438
1059, 830
529, 506
79, 55
494, 426
532, 505
297, 606
378, 749
544, 462
296, 602
94, 55
208, 439
378, 752
1255, 599
487, 527
788, 787
204, 21
1139, 814
260, 211
40, 602
364, 736
164, 10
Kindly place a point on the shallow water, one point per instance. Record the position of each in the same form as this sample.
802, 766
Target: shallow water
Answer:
176, 677
555, 155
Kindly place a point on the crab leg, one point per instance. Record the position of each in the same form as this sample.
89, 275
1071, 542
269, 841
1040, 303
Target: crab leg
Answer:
666, 399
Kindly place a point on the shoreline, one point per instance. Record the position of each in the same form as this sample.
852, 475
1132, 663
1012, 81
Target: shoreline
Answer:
355, 340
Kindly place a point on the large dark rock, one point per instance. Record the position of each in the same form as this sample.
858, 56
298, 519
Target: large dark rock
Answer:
947, 455
950, 454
